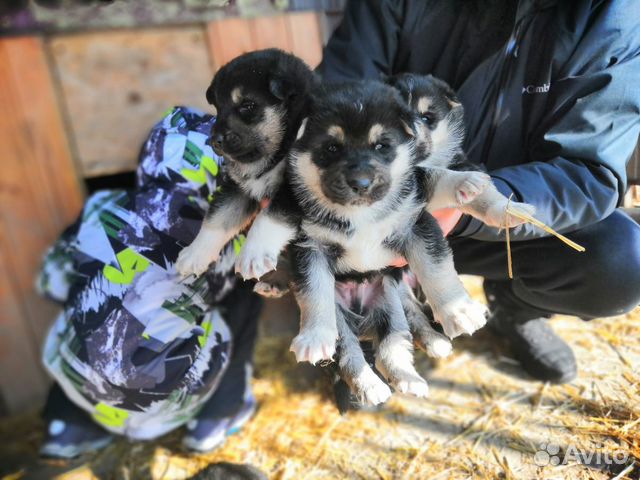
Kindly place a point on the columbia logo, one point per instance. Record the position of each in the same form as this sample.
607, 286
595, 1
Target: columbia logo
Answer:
531, 89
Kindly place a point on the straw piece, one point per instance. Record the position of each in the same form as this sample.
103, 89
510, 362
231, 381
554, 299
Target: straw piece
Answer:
528, 218
506, 226
624, 472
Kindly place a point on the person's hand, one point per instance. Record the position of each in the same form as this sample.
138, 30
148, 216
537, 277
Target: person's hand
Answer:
447, 218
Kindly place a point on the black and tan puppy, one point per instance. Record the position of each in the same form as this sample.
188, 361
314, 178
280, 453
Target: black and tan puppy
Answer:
353, 203
440, 128
260, 99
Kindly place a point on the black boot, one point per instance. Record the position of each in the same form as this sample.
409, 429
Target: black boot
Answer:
542, 353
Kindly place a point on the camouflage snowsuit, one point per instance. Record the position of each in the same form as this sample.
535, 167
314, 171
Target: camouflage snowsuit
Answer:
136, 346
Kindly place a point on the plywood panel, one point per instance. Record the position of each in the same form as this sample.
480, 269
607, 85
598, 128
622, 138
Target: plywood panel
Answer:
269, 32
306, 37
299, 33
117, 85
39, 195
228, 39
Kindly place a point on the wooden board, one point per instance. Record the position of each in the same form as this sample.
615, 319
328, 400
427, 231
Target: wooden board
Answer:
117, 85
39, 195
228, 39
299, 33
306, 37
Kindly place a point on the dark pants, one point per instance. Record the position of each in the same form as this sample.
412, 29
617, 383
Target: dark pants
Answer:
240, 310
550, 277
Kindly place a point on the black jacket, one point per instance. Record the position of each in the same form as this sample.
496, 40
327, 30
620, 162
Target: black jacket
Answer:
551, 91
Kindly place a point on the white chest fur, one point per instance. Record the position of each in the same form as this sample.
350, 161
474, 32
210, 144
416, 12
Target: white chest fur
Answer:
261, 187
365, 249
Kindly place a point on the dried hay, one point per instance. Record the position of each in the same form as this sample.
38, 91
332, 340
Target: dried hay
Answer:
483, 420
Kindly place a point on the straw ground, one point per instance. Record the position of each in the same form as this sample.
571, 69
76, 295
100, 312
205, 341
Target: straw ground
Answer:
483, 420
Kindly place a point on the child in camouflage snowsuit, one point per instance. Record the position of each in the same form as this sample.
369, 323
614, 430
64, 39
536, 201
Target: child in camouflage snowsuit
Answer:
136, 347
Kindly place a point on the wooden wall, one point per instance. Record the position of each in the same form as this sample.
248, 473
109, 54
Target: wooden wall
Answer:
80, 105
39, 194
116, 85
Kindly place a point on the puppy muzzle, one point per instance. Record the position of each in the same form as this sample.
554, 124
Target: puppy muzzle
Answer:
355, 186
230, 145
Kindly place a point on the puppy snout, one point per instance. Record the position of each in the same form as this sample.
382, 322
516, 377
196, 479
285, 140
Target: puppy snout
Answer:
360, 182
231, 141
216, 140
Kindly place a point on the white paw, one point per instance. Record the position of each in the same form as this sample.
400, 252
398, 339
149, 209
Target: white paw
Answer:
270, 290
255, 261
473, 185
438, 346
314, 345
196, 258
432, 342
371, 389
417, 387
462, 316
496, 215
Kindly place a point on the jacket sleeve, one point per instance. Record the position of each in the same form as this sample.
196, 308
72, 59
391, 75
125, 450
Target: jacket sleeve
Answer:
577, 175
364, 44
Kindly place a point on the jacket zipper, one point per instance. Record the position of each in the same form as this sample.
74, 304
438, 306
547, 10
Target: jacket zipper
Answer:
510, 53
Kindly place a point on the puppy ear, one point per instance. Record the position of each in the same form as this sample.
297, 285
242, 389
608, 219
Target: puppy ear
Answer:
210, 94
410, 130
453, 102
409, 122
280, 87
388, 79
452, 98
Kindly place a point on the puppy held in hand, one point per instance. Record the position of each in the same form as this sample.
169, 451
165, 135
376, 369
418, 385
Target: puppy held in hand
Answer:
354, 202
439, 142
260, 99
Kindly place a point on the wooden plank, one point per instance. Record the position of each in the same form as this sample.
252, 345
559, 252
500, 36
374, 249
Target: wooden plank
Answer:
299, 33
118, 84
228, 39
270, 32
23, 382
39, 194
306, 36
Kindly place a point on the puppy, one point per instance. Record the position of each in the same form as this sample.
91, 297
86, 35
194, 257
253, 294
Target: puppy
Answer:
260, 100
354, 201
440, 130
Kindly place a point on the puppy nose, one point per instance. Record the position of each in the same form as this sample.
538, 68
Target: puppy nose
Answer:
216, 140
359, 182
232, 141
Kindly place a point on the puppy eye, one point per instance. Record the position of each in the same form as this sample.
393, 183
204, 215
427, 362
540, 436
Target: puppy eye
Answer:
428, 118
381, 147
246, 107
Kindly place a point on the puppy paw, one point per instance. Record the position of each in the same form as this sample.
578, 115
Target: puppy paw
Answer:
254, 261
270, 290
314, 345
472, 185
371, 389
195, 259
203, 251
435, 345
412, 385
496, 215
462, 316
